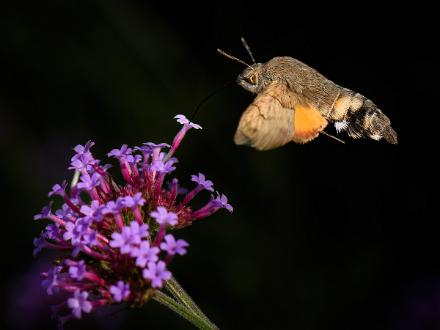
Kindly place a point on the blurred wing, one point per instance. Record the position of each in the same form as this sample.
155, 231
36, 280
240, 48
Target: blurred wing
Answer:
276, 117
266, 123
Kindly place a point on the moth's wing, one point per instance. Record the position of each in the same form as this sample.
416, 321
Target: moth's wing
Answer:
266, 123
276, 117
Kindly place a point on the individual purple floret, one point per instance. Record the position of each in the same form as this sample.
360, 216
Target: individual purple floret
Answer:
156, 273
137, 230
58, 189
45, 212
215, 204
120, 291
79, 303
77, 270
132, 201
187, 125
123, 153
122, 240
129, 238
125, 157
163, 217
145, 254
52, 231
201, 181
83, 159
89, 182
222, 201
65, 213
50, 283
172, 247
39, 243
202, 184
181, 119
94, 211
113, 235
111, 208
75, 232
89, 238
82, 151
161, 167
71, 234
148, 147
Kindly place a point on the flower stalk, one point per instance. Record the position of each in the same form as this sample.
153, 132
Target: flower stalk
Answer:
180, 294
184, 312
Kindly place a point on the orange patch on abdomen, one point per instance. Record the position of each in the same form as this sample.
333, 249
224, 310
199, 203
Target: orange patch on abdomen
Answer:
308, 123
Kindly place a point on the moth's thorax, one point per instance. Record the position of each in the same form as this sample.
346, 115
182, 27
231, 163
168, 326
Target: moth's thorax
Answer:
288, 70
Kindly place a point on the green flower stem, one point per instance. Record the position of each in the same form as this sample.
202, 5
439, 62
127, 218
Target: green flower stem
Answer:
183, 311
75, 178
180, 294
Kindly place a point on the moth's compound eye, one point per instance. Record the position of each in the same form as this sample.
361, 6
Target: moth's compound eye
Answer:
252, 79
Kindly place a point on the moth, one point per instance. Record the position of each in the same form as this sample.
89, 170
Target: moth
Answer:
295, 102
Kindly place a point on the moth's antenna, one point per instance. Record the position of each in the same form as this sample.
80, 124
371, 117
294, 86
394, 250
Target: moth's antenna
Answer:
248, 49
333, 137
232, 57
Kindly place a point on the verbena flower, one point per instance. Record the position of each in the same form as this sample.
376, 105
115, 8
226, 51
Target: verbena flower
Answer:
114, 236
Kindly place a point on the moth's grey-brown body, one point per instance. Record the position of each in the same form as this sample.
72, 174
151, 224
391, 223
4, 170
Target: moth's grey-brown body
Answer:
283, 84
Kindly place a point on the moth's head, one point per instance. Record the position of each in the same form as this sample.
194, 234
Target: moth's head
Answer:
251, 78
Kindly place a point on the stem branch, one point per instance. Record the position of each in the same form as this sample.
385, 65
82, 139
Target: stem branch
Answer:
183, 311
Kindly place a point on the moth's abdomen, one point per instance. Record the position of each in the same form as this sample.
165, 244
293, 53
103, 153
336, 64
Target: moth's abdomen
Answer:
360, 117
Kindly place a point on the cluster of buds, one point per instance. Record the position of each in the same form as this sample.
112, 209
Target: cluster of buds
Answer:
114, 238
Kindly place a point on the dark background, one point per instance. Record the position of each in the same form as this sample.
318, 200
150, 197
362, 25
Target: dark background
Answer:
323, 235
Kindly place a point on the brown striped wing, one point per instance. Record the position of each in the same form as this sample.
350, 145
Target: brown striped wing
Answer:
276, 117
268, 122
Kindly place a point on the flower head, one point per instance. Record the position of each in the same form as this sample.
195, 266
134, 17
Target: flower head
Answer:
114, 235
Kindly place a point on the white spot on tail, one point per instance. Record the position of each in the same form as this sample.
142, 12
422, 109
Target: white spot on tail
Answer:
376, 136
341, 126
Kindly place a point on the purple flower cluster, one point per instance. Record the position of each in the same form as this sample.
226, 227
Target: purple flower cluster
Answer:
115, 236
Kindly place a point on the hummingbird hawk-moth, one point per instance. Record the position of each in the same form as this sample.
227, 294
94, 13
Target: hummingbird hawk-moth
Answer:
295, 102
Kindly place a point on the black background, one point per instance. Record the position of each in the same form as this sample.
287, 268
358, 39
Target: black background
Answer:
323, 235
